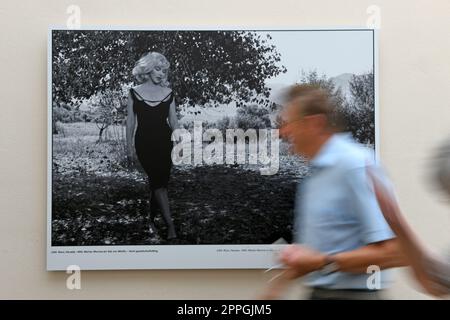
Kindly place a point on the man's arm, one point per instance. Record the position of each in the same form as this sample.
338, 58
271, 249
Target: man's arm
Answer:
384, 254
381, 249
301, 260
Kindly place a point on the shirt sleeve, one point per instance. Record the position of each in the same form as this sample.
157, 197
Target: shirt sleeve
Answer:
364, 205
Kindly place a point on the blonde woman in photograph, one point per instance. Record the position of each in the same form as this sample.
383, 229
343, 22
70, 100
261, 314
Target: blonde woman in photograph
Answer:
150, 122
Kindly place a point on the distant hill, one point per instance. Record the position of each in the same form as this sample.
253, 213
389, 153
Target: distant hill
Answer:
276, 92
342, 81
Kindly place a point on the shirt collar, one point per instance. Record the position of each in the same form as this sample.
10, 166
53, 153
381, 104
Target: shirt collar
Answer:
330, 151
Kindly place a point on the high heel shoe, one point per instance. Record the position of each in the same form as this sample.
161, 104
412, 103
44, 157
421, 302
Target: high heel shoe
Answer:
152, 228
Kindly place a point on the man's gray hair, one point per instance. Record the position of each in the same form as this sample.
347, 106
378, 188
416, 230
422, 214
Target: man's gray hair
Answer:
442, 170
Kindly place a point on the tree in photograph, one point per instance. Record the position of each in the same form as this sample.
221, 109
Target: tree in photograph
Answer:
107, 108
253, 117
206, 66
360, 112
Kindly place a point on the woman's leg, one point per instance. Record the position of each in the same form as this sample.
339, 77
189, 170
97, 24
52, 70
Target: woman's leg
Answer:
153, 206
163, 202
152, 199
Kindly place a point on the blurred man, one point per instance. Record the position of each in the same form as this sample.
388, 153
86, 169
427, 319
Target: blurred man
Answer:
339, 227
432, 272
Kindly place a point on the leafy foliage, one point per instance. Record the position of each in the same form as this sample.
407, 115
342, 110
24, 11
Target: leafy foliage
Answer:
108, 107
253, 117
360, 111
206, 66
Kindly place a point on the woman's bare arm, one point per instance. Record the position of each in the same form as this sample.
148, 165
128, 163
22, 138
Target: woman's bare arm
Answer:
130, 125
173, 119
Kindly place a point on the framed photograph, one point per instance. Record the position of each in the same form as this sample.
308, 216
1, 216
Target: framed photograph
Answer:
163, 144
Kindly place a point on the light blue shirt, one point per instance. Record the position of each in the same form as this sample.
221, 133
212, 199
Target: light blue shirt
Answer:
336, 209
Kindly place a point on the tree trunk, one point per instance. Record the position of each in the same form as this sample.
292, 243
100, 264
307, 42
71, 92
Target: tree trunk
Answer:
100, 134
54, 128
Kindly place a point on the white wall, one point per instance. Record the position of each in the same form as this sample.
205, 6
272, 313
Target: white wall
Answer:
414, 118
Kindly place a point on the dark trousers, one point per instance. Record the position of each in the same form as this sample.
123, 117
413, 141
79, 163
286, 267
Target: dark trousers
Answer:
345, 294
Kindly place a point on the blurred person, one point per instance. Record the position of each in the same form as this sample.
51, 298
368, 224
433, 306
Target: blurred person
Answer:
339, 228
150, 121
432, 272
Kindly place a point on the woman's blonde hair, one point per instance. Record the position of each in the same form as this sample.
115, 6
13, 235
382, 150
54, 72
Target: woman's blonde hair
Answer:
147, 63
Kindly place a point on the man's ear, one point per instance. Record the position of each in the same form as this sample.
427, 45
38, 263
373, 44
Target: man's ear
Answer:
319, 122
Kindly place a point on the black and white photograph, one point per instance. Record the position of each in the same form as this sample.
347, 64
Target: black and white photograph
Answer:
170, 138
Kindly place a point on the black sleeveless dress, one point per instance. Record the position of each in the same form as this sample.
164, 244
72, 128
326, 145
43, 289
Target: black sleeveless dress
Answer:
153, 138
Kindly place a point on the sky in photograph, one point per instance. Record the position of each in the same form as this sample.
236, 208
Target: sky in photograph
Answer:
329, 52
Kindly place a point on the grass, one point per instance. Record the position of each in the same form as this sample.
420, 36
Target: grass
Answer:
99, 200
207, 204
